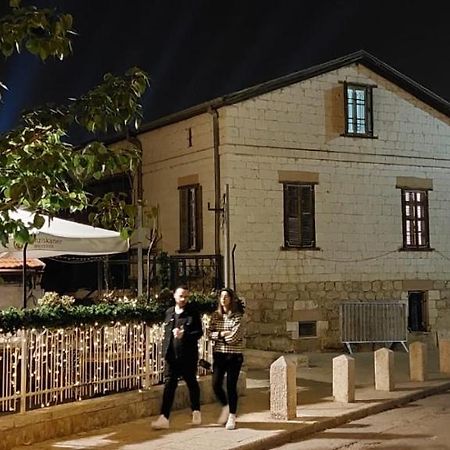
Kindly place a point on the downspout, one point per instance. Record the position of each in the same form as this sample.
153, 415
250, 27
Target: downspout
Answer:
217, 206
24, 275
139, 200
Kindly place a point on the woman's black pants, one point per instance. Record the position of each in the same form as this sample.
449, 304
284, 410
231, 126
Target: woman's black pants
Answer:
229, 364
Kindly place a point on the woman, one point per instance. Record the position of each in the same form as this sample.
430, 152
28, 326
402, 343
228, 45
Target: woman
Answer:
226, 332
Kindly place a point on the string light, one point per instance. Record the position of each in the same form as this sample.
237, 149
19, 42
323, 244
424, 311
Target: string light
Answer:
80, 362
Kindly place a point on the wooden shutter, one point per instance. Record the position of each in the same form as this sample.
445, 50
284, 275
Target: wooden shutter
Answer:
346, 106
369, 111
299, 226
184, 218
198, 218
291, 216
307, 227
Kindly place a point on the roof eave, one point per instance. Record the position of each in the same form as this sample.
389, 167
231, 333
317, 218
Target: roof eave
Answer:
358, 57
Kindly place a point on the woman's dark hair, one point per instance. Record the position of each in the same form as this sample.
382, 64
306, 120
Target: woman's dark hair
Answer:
236, 304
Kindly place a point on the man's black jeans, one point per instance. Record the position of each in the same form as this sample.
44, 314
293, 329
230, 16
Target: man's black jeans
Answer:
230, 364
174, 369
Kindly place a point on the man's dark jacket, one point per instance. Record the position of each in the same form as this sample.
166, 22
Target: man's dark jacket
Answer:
193, 331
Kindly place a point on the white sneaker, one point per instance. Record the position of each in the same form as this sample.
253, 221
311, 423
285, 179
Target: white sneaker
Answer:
231, 422
196, 418
161, 423
222, 420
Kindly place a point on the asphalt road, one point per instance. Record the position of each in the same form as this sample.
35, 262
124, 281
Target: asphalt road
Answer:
423, 425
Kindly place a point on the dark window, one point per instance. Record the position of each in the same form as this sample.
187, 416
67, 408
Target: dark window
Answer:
415, 219
307, 328
358, 110
189, 137
299, 226
191, 231
417, 311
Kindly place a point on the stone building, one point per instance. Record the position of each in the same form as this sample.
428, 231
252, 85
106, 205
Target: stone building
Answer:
338, 182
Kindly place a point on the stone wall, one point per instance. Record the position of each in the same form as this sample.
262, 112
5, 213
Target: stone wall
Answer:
296, 133
274, 309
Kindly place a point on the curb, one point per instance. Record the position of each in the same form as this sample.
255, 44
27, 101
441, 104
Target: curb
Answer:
305, 430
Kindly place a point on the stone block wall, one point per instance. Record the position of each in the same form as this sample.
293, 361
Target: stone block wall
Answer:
275, 309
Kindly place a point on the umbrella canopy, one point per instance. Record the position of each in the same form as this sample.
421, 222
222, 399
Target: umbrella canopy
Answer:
64, 237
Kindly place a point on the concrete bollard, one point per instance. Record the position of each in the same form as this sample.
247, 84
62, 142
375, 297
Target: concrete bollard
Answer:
384, 369
283, 389
418, 361
444, 356
344, 379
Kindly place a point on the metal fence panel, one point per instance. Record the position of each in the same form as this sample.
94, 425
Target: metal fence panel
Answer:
372, 322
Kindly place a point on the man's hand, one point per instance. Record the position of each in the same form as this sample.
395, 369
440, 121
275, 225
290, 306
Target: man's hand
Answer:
178, 333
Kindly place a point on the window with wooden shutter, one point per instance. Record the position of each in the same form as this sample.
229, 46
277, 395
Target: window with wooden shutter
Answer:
299, 223
191, 227
358, 110
415, 219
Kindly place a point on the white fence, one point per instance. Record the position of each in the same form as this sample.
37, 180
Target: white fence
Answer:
373, 322
43, 368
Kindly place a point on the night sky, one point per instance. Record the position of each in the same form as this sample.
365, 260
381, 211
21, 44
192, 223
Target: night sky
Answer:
195, 50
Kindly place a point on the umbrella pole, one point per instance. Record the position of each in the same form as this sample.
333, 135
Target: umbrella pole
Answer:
24, 275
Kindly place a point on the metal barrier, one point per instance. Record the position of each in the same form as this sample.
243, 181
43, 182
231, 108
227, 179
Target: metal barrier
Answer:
373, 322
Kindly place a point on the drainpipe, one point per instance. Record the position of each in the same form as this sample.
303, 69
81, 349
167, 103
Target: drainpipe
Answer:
217, 207
24, 275
139, 200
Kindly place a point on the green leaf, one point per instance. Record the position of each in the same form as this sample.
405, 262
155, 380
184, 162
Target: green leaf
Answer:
22, 236
39, 221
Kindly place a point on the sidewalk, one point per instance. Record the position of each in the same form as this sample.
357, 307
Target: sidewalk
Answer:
256, 430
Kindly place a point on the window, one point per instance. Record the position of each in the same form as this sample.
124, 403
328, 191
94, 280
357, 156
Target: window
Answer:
358, 110
415, 219
191, 231
417, 311
307, 329
299, 227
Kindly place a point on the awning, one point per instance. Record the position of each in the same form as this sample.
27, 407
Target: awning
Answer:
64, 237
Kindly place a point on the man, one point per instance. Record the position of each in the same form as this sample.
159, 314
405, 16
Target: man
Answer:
182, 330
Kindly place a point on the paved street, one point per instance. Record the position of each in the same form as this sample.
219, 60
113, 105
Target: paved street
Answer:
424, 424
316, 411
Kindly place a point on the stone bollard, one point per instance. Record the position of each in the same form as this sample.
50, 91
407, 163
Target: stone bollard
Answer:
418, 361
384, 369
444, 356
283, 389
344, 379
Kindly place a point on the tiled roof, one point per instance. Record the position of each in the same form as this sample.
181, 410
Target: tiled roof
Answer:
7, 264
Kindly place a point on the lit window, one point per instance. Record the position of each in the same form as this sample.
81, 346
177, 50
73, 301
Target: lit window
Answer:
415, 219
358, 110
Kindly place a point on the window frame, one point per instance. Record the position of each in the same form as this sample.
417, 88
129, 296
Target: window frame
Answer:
423, 308
415, 246
191, 223
287, 245
368, 110
305, 324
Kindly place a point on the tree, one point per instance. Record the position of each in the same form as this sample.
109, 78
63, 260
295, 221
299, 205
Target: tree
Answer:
40, 170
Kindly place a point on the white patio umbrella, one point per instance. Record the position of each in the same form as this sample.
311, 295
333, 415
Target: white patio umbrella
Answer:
64, 237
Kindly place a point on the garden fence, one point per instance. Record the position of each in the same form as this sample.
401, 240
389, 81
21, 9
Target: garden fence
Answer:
47, 367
